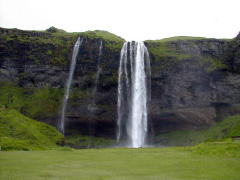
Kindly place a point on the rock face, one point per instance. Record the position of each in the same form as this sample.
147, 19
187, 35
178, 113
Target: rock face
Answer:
88, 112
39, 60
195, 81
195, 90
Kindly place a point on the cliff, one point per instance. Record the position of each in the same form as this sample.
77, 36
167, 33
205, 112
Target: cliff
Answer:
195, 81
34, 68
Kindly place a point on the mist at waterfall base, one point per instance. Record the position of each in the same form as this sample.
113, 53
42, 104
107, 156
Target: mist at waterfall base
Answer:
134, 95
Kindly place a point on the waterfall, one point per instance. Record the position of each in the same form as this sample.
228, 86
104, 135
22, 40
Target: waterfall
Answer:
92, 107
133, 94
99, 70
61, 124
121, 105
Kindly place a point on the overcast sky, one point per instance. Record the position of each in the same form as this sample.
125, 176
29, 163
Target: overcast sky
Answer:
130, 19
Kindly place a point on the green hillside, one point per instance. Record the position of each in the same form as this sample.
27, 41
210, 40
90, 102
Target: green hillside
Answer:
225, 129
18, 132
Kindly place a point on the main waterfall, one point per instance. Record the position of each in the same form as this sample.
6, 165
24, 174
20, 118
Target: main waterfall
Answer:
133, 94
61, 123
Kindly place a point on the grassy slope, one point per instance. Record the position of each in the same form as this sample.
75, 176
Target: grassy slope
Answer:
19, 132
227, 148
177, 38
110, 40
118, 164
161, 48
222, 130
105, 35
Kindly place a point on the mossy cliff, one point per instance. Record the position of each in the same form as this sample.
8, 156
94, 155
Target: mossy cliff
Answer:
195, 81
34, 67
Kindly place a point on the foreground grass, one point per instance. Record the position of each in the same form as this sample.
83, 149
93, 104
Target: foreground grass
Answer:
118, 164
81, 141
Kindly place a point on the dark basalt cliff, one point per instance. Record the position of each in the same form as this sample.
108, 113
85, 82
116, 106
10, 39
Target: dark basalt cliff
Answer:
195, 81
36, 66
193, 85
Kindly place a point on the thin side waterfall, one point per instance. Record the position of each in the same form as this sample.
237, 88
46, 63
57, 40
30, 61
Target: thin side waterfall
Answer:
61, 124
92, 107
99, 70
133, 94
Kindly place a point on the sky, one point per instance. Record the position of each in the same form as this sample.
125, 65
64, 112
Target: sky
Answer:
131, 19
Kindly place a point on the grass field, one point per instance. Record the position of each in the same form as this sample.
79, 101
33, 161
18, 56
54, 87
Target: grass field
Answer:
118, 164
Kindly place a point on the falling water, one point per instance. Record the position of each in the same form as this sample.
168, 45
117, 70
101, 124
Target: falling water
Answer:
133, 94
99, 70
61, 124
92, 107
121, 106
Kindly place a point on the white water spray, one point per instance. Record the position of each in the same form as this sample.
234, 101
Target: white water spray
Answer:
61, 124
133, 94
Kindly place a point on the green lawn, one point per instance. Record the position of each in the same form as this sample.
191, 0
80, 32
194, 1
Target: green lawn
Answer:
118, 164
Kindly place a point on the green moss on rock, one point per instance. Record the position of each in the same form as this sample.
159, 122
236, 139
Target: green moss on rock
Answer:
161, 50
105, 35
43, 103
53, 46
214, 63
36, 103
180, 38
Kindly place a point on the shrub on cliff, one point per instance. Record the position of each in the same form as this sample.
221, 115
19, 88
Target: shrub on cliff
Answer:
52, 29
